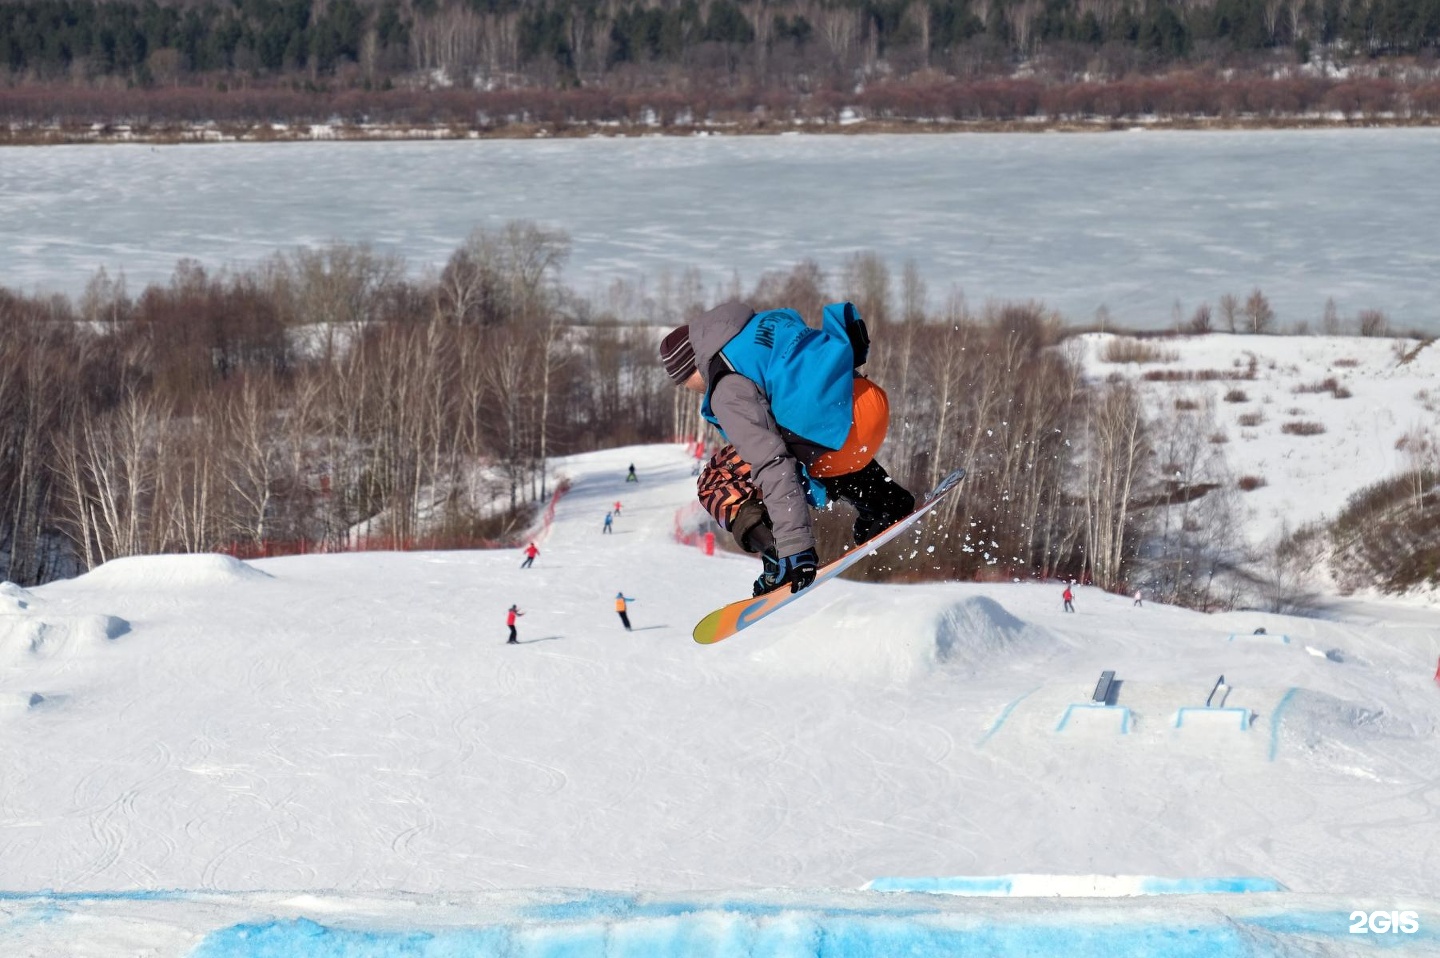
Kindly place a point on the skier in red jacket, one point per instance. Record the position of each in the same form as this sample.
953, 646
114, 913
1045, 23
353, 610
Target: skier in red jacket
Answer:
510, 621
530, 553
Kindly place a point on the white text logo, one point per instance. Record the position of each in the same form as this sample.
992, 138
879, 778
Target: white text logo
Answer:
1384, 922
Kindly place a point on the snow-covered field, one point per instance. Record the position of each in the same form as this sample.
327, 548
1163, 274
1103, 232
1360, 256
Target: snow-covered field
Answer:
338, 755
1381, 397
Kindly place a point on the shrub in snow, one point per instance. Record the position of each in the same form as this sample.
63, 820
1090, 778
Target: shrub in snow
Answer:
1126, 350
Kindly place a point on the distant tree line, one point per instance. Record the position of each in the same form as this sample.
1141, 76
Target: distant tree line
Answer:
326, 397
60, 112
799, 45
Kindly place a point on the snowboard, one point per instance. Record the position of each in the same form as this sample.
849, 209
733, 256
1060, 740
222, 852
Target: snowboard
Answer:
726, 621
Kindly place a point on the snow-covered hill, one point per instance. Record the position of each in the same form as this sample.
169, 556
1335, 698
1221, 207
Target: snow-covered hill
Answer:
1246, 394
192, 742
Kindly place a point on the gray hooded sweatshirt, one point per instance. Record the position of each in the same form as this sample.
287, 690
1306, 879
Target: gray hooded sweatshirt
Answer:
774, 454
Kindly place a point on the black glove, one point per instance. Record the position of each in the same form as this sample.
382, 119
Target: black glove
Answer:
859, 340
798, 570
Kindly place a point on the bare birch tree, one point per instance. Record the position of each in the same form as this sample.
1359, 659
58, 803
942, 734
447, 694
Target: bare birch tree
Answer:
1115, 451
108, 463
189, 505
255, 462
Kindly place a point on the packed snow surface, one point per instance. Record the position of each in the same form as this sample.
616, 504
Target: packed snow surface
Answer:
341, 752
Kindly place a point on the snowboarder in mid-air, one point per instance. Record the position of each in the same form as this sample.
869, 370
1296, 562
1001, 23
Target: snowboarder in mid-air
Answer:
803, 426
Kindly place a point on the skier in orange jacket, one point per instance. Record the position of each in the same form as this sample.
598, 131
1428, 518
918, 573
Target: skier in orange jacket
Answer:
620, 608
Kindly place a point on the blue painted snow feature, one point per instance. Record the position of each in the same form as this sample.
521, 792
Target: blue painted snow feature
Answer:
29, 915
959, 885
791, 934
1004, 715
1275, 718
1001, 886
608, 906
303, 938
1259, 637
1120, 711
1210, 886
154, 894
1237, 716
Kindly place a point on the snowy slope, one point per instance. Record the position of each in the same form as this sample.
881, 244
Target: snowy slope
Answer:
1307, 477
331, 736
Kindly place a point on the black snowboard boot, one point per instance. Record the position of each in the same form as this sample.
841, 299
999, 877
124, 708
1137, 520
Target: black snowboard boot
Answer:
752, 528
879, 500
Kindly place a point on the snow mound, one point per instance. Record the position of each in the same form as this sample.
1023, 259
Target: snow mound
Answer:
1317, 717
979, 631
13, 704
146, 573
95, 630
17, 704
26, 639
20, 636
1341, 733
13, 598
885, 635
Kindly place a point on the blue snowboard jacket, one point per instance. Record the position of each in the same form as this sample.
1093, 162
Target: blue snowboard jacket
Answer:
781, 392
806, 375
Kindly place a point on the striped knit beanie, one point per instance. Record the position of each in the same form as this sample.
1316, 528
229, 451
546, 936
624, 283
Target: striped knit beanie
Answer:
678, 355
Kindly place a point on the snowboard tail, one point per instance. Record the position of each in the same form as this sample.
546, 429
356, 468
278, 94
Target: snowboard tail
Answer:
727, 620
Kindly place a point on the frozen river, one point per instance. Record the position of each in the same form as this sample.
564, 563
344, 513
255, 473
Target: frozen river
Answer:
1137, 223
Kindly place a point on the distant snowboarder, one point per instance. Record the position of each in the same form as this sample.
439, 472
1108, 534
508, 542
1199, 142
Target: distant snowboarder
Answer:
630, 476
620, 608
803, 423
609, 521
510, 621
1068, 596
530, 553
1138, 599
